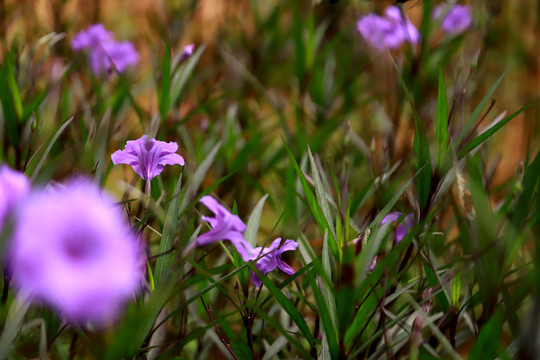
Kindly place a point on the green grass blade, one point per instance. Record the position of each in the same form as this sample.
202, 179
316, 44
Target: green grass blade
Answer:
441, 125
253, 222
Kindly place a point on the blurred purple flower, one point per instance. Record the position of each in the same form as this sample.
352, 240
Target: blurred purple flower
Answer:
103, 49
188, 51
148, 156
271, 258
14, 186
403, 228
225, 226
388, 31
455, 19
72, 250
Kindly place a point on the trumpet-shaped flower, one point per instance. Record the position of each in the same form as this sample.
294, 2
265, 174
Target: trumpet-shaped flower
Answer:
455, 19
225, 226
14, 186
104, 51
148, 156
388, 31
72, 249
269, 258
403, 228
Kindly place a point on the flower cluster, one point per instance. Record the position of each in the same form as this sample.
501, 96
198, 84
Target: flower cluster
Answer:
454, 19
148, 156
103, 51
227, 226
389, 31
70, 248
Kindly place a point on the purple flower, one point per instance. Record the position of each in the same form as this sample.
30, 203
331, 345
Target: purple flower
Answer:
455, 19
271, 258
148, 156
14, 186
225, 226
403, 228
388, 31
188, 51
103, 49
72, 249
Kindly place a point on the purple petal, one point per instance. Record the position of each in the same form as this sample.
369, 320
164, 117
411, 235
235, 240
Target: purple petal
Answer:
148, 156
391, 217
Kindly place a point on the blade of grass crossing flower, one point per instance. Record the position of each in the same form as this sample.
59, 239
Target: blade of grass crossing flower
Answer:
441, 125
312, 201
168, 235
421, 148
165, 85
323, 201
373, 240
464, 132
286, 304
35, 165
253, 222
487, 133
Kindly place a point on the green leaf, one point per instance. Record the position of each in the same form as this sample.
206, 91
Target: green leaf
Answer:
168, 235
441, 125
464, 132
165, 86
35, 165
285, 303
490, 131
488, 340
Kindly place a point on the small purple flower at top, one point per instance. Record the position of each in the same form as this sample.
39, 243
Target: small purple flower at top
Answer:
270, 258
187, 52
14, 186
72, 249
455, 19
148, 156
225, 226
403, 228
103, 51
388, 31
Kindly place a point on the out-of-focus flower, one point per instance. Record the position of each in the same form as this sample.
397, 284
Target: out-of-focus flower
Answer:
403, 228
388, 31
455, 19
271, 259
225, 226
103, 49
188, 51
148, 156
72, 250
14, 186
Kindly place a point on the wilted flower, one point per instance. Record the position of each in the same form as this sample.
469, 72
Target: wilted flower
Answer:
225, 226
403, 228
388, 31
13, 187
271, 258
148, 156
187, 52
72, 250
455, 19
103, 49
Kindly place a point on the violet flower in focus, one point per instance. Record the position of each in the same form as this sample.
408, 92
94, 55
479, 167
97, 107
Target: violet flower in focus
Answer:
148, 156
225, 226
389, 31
14, 186
103, 49
403, 228
455, 19
73, 250
271, 260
